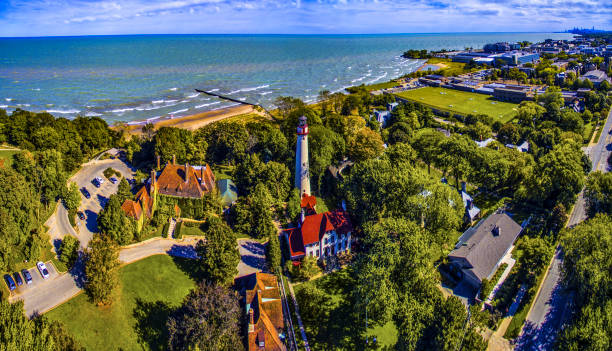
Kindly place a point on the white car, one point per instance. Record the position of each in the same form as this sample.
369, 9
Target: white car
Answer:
43, 270
100, 180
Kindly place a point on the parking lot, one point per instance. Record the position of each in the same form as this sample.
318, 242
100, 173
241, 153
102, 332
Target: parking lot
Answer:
59, 225
37, 279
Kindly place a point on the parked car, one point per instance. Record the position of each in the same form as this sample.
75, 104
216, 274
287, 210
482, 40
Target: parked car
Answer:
96, 182
27, 276
85, 193
113, 179
42, 268
10, 282
100, 180
81, 215
18, 279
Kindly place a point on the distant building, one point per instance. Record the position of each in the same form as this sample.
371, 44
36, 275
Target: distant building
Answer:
523, 147
519, 58
382, 117
472, 212
511, 93
501, 47
481, 248
391, 106
485, 142
264, 310
595, 76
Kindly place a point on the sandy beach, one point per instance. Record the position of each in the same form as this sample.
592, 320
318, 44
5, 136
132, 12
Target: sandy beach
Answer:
193, 122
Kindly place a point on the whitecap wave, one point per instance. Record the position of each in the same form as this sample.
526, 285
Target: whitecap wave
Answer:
179, 111
3, 106
93, 114
8, 99
64, 111
248, 89
263, 93
210, 104
173, 89
213, 90
192, 95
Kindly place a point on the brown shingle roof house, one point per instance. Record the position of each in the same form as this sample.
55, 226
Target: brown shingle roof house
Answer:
481, 248
185, 180
264, 310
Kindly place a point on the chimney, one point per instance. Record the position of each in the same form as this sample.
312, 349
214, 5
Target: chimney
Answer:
153, 179
463, 187
186, 173
496, 230
251, 321
158, 162
173, 159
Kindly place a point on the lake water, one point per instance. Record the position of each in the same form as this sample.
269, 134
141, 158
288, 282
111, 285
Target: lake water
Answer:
129, 78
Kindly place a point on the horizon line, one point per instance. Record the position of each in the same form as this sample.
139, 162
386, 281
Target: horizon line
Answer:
270, 34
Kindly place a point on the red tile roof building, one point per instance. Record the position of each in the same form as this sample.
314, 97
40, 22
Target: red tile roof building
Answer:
264, 311
174, 180
321, 235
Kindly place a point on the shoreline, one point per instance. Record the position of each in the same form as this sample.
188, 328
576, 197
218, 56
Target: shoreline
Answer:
190, 122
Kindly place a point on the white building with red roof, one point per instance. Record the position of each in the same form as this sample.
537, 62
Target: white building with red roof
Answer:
318, 234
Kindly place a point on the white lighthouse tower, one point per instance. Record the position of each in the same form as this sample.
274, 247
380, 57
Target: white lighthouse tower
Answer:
302, 175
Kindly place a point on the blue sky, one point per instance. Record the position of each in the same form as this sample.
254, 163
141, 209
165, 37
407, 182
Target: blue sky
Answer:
89, 17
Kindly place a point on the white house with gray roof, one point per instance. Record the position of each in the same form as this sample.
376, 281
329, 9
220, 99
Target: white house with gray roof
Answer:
481, 248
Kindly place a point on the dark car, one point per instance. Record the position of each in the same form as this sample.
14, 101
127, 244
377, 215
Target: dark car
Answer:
96, 183
18, 278
81, 215
27, 276
85, 193
10, 282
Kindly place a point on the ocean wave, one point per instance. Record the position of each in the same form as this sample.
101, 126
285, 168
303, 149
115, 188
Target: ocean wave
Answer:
192, 95
3, 106
93, 114
212, 103
158, 101
377, 78
36, 89
122, 110
213, 90
64, 111
358, 79
179, 111
265, 93
248, 89
8, 99
173, 89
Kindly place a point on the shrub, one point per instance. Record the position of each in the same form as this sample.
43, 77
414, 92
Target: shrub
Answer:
178, 234
69, 250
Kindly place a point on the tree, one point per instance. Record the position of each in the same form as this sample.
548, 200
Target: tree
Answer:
598, 193
72, 198
307, 269
19, 205
426, 144
148, 130
294, 204
479, 131
52, 176
508, 134
273, 253
529, 113
208, 320
101, 269
365, 145
535, 254
253, 215
17, 332
219, 255
124, 191
69, 250
114, 222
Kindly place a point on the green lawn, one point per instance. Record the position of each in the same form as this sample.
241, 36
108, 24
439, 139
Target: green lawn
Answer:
461, 102
335, 324
148, 291
7, 156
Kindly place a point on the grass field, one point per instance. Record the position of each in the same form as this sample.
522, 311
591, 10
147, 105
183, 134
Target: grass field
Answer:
337, 325
148, 291
462, 102
7, 156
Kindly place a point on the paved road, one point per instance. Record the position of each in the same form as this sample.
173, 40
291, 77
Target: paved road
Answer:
60, 288
550, 308
252, 257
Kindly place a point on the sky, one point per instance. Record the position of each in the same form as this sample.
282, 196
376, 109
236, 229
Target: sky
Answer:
89, 17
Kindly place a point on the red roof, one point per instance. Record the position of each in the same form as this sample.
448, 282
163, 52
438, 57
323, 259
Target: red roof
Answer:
132, 208
185, 181
308, 201
315, 226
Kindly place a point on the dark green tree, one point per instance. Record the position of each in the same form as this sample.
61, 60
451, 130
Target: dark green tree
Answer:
219, 255
101, 269
208, 320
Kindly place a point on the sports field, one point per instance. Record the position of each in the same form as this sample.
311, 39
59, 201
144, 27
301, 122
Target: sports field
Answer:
462, 102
